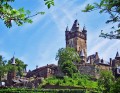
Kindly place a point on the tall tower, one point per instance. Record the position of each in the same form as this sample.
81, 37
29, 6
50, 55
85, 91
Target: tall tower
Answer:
76, 38
11, 73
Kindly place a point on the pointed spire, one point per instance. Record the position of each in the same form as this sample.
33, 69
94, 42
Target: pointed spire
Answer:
117, 54
84, 29
82, 53
67, 28
75, 26
13, 61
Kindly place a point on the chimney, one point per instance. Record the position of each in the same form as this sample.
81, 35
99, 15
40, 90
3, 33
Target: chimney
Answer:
91, 62
96, 55
110, 61
36, 66
102, 61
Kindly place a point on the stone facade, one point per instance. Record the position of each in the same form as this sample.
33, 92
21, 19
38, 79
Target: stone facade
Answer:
45, 71
76, 38
87, 69
116, 65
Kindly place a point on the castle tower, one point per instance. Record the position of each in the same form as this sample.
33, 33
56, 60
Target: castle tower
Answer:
76, 38
117, 55
11, 74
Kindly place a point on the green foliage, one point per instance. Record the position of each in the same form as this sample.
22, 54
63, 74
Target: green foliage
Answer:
18, 67
88, 8
105, 81
3, 68
65, 54
116, 86
49, 3
17, 90
9, 15
112, 7
68, 68
66, 58
76, 80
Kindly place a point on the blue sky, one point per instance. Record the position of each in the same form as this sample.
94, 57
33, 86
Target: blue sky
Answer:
38, 43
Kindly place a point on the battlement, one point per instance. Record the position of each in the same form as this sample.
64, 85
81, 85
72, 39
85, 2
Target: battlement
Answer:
70, 35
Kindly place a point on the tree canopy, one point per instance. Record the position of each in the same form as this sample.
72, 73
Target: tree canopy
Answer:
19, 66
105, 81
66, 58
3, 68
116, 86
8, 14
112, 7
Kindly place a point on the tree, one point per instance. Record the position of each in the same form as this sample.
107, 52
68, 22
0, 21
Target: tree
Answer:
69, 68
9, 15
116, 86
19, 67
66, 58
105, 81
3, 68
112, 7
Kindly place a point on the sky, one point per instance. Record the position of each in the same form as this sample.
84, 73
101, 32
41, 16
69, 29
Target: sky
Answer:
38, 43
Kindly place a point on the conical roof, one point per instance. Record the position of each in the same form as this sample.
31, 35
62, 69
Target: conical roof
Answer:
75, 26
84, 29
82, 53
117, 54
13, 61
67, 28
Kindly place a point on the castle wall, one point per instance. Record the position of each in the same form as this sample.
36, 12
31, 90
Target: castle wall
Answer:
87, 69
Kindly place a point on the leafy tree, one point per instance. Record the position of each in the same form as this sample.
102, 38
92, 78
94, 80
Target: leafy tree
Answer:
3, 68
105, 81
69, 68
66, 58
65, 54
9, 15
116, 86
112, 7
19, 67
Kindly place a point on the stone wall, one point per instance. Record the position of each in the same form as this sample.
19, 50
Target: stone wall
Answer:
88, 69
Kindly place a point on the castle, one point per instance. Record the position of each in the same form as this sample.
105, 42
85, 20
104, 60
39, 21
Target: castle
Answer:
90, 65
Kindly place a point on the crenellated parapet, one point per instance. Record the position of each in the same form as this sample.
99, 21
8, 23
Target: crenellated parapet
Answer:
70, 35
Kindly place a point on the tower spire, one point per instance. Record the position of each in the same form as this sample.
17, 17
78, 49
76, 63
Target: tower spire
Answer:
84, 30
75, 26
67, 28
13, 59
82, 53
117, 54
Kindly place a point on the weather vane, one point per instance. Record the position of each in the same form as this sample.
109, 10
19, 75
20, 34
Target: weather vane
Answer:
76, 15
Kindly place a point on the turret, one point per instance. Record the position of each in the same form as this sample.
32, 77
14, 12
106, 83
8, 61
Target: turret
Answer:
84, 30
82, 55
117, 56
67, 28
